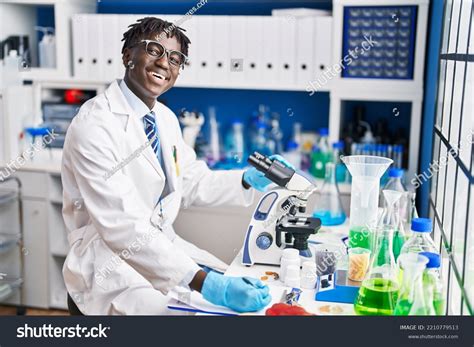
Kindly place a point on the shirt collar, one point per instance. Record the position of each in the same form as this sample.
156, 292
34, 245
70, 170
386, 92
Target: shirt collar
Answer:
137, 105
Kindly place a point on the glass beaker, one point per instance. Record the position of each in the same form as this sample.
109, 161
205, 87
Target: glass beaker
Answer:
328, 205
378, 293
366, 171
391, 217
411, 299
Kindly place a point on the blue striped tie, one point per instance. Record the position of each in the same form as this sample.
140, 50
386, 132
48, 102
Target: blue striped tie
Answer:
151, 132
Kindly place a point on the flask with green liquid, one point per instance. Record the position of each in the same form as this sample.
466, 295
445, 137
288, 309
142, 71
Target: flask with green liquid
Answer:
379, 291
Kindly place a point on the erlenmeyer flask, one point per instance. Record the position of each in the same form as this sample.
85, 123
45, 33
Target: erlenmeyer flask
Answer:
411, 299
366, 171
391, 217
328, 206
378, 293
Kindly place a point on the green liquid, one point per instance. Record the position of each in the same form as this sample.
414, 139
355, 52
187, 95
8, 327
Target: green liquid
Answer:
403, 308
398, 241
439, 306
377, 297
359, 237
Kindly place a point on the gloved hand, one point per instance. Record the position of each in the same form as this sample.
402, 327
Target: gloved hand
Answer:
257, 179
241, 294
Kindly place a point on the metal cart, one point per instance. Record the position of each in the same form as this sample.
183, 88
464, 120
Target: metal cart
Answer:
11, 245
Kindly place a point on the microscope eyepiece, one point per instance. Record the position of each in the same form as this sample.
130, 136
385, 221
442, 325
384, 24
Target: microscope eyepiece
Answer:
274, 170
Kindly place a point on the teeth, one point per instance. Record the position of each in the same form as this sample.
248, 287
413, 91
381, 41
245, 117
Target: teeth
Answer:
157, 75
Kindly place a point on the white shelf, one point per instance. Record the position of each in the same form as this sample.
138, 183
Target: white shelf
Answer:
19, 18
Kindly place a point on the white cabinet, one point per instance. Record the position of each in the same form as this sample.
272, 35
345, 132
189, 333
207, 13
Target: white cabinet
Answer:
35, 253
44, 238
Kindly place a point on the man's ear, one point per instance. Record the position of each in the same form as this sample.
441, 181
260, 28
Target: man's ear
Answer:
126, 57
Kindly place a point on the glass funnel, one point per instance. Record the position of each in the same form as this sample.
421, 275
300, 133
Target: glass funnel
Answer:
411, 299
328, 207
391, 217
378, 293
366, 172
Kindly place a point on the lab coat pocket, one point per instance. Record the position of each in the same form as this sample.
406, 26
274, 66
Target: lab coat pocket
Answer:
110, 272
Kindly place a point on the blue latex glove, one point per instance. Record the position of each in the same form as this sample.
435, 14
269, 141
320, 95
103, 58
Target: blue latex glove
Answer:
237, 293
257, 179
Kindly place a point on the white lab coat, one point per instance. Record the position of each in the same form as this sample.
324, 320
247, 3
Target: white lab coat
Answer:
106, 217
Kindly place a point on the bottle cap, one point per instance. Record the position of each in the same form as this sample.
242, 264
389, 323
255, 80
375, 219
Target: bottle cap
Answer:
324, 131
421, 225
292, 145
394, 172
290, 253
434, 260
338, 145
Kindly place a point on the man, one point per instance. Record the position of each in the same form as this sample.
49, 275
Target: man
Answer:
126, 171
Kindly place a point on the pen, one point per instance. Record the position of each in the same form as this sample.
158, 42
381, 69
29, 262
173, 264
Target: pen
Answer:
175, 156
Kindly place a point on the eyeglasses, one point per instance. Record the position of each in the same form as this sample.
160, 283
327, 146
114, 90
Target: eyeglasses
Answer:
157, 51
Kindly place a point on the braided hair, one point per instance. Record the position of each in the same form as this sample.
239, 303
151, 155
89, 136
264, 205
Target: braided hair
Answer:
148, 26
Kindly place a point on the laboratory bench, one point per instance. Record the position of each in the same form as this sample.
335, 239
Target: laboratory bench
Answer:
330, 236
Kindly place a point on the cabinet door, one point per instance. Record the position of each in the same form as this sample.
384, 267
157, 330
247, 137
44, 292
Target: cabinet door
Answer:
35, 253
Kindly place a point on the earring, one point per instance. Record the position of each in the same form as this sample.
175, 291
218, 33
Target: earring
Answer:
131, 65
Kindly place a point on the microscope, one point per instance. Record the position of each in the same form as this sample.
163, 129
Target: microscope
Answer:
279, 220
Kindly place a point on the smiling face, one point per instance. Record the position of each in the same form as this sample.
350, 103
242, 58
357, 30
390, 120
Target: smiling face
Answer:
150, 77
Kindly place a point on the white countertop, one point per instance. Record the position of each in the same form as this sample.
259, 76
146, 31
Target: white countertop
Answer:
327, 235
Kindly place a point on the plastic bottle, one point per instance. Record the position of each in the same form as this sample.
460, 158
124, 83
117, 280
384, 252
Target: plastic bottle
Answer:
47, 48
321, 155
289, 257
275, 144
235, 147
293, 155
259, 141
297, 134
214, 155
432, 282
11, 69
420, 241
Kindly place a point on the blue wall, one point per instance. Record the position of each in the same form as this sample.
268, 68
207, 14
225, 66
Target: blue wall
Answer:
217, 7
311, 111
